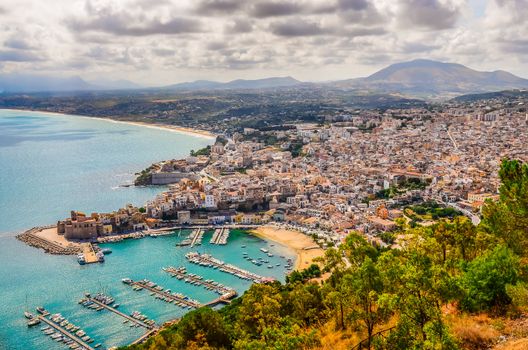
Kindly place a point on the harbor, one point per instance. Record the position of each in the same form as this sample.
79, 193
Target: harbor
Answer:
110, 322
209, 261
61, 330
100, 302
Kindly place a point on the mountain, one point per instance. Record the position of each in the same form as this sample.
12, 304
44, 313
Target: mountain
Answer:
108, 84
433, 77
239, 84
14, 82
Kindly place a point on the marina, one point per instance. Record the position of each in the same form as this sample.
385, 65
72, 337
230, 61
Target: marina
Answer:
181, 274
60, 330
209, 261
163, 294
100, 302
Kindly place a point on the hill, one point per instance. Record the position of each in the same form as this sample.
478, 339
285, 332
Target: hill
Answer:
421, 77
239, 84
30, 83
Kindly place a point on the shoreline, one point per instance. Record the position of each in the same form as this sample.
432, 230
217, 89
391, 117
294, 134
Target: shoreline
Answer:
302, 245
166, 127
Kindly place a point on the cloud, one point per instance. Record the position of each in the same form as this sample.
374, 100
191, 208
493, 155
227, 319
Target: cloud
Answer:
265, 9
18, 56
356, 5
429, 14
238, 26
123, 22
170, 40
212, 7
297, 28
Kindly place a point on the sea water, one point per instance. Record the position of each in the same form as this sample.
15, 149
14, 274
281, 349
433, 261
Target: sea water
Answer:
50, 164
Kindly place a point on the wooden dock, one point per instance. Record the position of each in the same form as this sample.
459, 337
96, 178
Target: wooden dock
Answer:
59, 329
199, 281
125, 316
167, 295
144, 337
209, 261
197, 237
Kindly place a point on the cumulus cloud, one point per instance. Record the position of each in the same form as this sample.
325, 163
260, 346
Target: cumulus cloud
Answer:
430, 14
166, 41
123, 22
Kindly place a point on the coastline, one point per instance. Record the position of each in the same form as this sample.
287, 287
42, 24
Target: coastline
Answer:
172, 128
295, 240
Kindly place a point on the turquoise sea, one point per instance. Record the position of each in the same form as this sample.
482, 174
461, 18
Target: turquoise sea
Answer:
50, 164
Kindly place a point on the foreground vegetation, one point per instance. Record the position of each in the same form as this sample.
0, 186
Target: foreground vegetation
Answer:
429, 294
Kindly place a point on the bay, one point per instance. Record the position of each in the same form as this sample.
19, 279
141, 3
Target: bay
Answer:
50, 164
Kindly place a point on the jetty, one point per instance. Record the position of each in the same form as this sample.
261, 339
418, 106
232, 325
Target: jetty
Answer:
166, 295
131, 319
195, 238
181, 274
31, 238
209, 261
220, 236
81, 344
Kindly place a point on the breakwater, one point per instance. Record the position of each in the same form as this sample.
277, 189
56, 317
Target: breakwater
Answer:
31, 238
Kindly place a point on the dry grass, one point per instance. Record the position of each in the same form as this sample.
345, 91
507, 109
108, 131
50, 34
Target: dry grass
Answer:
336, 340
474, 332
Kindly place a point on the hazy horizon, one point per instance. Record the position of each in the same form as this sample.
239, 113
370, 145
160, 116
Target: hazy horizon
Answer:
170, 41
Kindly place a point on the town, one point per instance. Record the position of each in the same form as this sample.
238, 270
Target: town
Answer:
369, 171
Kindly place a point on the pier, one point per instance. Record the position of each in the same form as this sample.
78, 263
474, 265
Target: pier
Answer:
181, 274
119, 313
220, 236
64, 332
209, 261
197, 236
177, 299
89, 254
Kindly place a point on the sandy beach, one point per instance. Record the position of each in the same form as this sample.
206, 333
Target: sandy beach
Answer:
173, 128
293, 239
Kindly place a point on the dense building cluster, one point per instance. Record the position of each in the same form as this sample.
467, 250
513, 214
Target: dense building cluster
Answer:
354, 172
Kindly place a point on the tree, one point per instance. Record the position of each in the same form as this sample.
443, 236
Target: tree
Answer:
413, 289
485, 279
508, 218
364, 286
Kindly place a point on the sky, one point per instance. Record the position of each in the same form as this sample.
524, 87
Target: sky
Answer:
168, 41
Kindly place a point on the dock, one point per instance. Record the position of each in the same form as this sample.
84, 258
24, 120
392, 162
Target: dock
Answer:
74, 338
90, 256
181, 274
209, 261
144, 337
119, 313
220, 236
197, 236
177, 299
